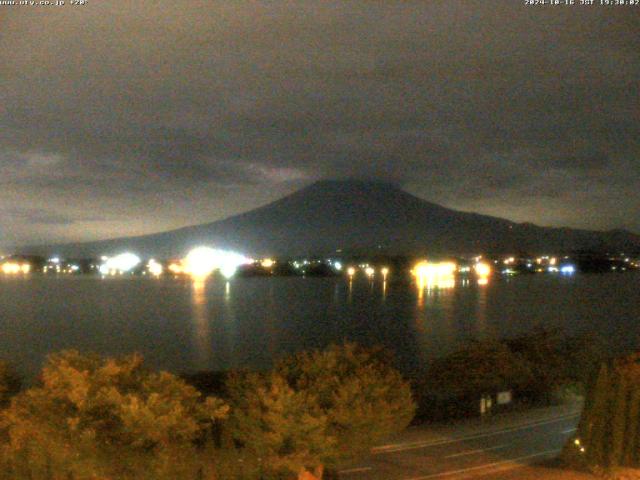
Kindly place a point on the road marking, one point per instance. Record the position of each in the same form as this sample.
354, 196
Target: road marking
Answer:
503, 463
355, 470
399, 447
570, 430
478, 450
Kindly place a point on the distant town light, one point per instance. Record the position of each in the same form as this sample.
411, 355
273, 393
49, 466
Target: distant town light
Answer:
351, 271
567, 269
13, 268
155, 268
202, 261
124, 262
228, 271
428, 269
435, 275
369, 271
267, 262
482, 269
175, 268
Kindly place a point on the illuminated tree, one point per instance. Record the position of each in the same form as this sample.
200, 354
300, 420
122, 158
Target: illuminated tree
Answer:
88, 408
284, 428
318, 408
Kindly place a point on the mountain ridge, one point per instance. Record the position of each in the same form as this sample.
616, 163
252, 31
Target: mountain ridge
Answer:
357, 216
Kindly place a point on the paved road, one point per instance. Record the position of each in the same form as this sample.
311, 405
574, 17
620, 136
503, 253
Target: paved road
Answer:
475, 452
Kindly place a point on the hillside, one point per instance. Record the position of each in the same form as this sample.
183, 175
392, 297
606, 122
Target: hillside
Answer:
359, 217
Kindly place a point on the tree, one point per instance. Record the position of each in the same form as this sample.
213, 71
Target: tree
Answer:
318, 408
88, 408
542, 351
608, 432
284, 428
10, 383
481, 367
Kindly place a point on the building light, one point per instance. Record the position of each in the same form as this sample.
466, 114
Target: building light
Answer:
202, 261
13, 268
154, 268
482, 269
175, 268
267, 262
119, 264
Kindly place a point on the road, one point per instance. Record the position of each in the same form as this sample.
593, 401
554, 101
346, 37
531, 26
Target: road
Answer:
469, 452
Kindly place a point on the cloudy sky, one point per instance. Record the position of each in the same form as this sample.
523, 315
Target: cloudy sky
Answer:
120, 120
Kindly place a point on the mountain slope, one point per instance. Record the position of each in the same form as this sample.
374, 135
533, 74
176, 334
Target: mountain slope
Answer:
359, 217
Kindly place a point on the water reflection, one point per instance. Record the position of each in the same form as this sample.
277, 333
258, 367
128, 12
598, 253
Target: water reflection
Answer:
432, 285
201, 326
433, 313
481, 312
448, 309
231, 324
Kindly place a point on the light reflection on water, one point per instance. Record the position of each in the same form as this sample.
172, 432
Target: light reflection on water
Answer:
203, 345
181, 325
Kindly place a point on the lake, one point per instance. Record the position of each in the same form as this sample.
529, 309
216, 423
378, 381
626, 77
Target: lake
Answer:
186, 326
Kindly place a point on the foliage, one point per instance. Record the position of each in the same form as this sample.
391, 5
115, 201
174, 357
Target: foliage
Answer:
317, 408
542, 364
284, 428
608, 434
89, 408
584, 355
538, 366
10, 383
477, 369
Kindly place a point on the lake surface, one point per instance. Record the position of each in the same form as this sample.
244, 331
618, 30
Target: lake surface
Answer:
184, 326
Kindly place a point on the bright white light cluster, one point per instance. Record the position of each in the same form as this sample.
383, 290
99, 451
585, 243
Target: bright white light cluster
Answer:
203, 261
155, 268
124, 262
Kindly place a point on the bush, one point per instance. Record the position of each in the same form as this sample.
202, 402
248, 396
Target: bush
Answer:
454, 384
543, 359
318, 408
89, 411
536, 367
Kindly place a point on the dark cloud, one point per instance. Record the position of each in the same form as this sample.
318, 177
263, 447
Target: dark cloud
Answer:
45, 218
156, 115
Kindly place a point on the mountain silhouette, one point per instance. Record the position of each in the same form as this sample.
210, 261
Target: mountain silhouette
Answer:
359, 217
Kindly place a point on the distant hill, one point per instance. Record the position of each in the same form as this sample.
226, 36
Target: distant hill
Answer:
358, 217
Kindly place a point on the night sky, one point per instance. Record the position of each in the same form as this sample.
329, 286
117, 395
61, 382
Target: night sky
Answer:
122, 120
